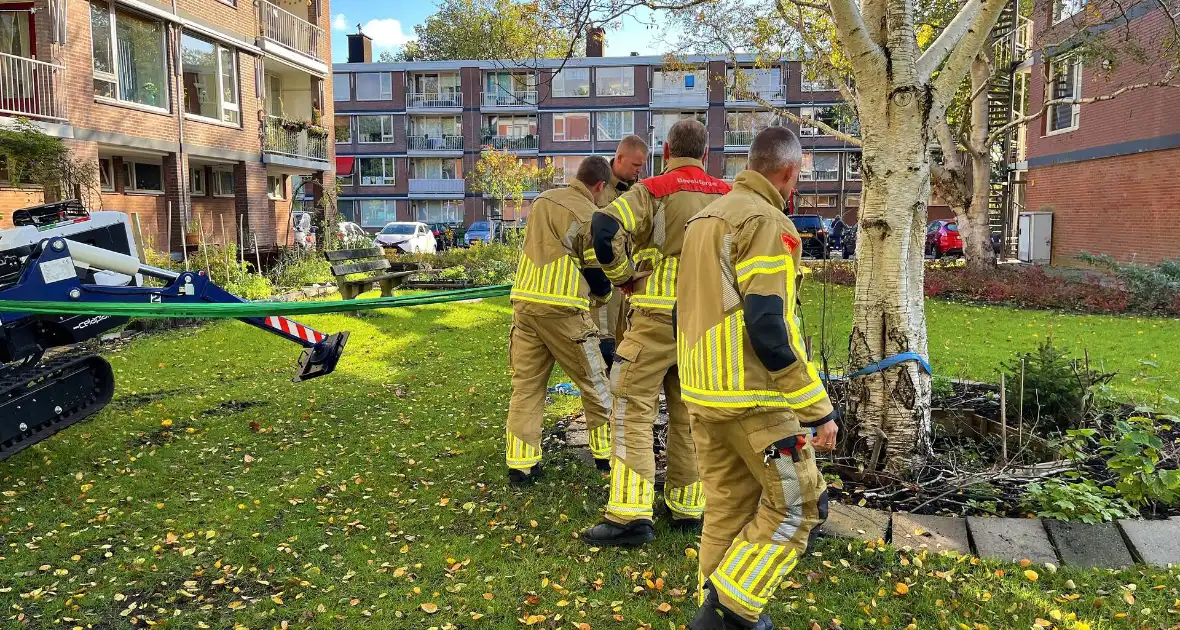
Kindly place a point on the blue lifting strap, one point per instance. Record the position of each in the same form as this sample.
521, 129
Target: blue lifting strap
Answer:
891, 361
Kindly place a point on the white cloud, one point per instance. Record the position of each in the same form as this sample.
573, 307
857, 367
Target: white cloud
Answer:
386, 33
340, 22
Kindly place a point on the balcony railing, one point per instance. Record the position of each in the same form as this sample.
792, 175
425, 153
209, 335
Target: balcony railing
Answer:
511, 143
434, 100
283, 139
288, 29
739, 138
436, 143
31, 88
678, 96
755, 95
510, 98
438, 186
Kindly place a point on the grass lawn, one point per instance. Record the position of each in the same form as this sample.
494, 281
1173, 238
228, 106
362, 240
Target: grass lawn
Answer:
214, 493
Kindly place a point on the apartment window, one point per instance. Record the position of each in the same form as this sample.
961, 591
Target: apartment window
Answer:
223, 182
765, 83
571, 82
373, 129
852, 201
343, 129
853, 163
436, 126
571, 127
751, 121
614, 81
1066, 73
662, 123
142, 177
820, 167
342, 87
196, 181
345, 178
1063, 9
377, 171
680, 81
346, 210
614, 125
734, 164
438, 211
565, 167
129, 54
374, 86
376, 213
817, 201
275, 188
210, 79
434, 168
512, 126
814, 79
106, 175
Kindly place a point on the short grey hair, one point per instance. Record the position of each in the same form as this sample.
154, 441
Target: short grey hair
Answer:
688, 138
774, 149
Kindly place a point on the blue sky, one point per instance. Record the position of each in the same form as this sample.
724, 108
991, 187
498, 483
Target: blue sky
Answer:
391, 24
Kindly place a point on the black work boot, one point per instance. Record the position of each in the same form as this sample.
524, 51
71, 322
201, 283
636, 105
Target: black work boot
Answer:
602, 464
607, 348
686, 524
608, 534
521, 478
713, 616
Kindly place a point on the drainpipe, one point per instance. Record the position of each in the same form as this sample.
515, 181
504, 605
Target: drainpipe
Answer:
178, 79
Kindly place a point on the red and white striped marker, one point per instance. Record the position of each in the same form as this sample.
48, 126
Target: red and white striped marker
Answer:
294, 328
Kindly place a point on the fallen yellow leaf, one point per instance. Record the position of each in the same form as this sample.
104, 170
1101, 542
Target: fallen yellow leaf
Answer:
1031, 575
664, 608
901, 589
429, 608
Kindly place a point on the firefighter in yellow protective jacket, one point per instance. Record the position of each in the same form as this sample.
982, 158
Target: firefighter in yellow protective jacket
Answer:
751, 391
650, 218
551, 301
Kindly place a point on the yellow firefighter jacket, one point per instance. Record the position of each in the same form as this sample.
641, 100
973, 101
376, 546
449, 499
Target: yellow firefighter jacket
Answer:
549, 277
652, 214
738, 340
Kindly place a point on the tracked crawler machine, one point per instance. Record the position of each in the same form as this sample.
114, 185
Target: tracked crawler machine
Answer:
61, 252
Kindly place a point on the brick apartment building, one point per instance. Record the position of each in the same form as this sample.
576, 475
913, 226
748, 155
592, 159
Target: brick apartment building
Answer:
1106, 170
206, 111
407, 133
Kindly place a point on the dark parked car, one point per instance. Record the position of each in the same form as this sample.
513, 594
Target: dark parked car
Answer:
942, 238
813, 234
446, 235
483, 232
848, 243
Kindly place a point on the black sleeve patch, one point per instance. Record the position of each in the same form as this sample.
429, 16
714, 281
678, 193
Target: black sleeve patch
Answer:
600, 285
603, 228
768, 331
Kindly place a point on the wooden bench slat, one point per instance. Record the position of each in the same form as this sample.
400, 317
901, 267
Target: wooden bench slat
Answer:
350, 254
371, 279
360, 267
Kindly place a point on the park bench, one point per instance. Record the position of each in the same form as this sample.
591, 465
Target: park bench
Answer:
369, 260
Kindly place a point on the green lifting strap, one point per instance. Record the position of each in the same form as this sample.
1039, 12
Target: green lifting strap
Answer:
246, 309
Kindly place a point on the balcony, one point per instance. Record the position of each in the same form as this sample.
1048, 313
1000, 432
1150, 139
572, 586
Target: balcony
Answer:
434, 100
739, 138
31, 88
435, 143
756, 96
510, 99
438, 186
294, 139
289, 30
511, 143
678, 97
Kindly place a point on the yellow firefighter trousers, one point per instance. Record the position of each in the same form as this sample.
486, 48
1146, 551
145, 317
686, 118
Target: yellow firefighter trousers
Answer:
761, 508
535, 343
645, 362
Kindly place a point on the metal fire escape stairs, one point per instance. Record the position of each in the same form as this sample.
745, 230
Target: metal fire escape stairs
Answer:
1010, 46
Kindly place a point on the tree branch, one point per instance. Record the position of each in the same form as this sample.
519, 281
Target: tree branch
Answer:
946, 41
874, 18
831, 71
864, 54
903, 44
946, 141
963, 52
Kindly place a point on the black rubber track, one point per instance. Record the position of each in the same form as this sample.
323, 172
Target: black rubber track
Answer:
17, 384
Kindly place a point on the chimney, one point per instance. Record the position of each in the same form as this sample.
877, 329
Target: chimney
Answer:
595, 41
360, 47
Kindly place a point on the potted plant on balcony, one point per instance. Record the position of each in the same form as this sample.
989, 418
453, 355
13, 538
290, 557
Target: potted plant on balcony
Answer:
192, 232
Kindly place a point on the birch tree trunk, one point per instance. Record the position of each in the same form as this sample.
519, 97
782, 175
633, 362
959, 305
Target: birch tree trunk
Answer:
974, 223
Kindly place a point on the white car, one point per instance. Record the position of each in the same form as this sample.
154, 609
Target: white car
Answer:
351, 234
410, 237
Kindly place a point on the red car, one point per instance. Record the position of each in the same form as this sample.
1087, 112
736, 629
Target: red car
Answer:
942, 238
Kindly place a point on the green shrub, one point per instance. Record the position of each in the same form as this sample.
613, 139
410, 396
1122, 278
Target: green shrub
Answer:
1081, 500
298, 267
494, 263
1059, 391
1134, 457
1151, 287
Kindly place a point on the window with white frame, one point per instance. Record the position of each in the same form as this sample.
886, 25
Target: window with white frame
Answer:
346, 210
751, 121
614, 125
766, 83
571, 82
852, 200
814, 78
128, 56
436, 126
374, 86
565, 167
142, 177
817, 201
210, 76
1065, 74
379, 171
343, 129
435, 168
618, 81
374, 129
276, 187
446, 211
571, 127
734, 164
662, 123
853, 166
342, 87
223, 181
680, 81
820, 167
106, 175
1063, 9
345, 179
376, 213
196, 181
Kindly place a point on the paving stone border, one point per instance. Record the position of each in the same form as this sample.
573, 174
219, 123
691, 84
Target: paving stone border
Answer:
1099, 545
